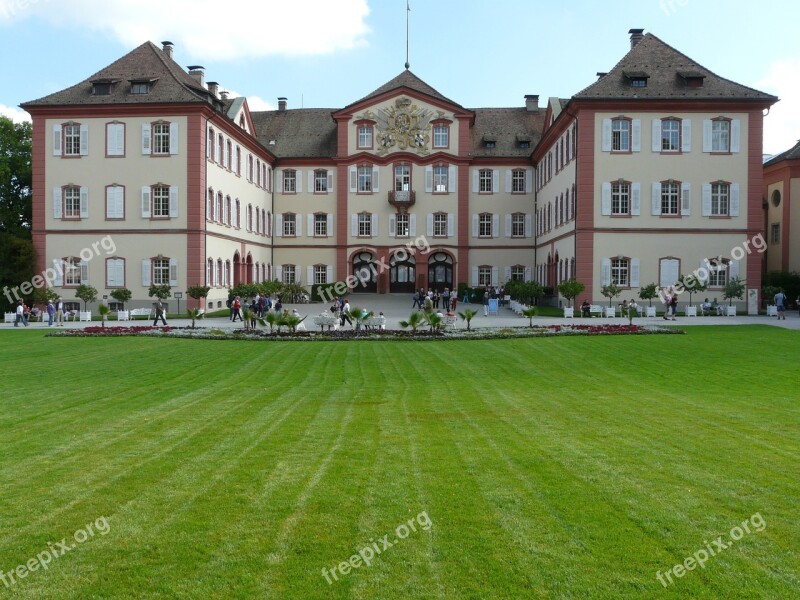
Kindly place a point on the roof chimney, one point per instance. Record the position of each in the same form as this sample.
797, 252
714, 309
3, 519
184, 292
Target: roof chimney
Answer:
281, 103
213, 88
224, 95
532, 103
167, 48
197, 71
601, 74
636, 36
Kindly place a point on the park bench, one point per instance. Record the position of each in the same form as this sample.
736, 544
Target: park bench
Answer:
141, 312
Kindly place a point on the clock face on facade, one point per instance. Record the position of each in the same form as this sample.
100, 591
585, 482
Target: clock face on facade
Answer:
403, 126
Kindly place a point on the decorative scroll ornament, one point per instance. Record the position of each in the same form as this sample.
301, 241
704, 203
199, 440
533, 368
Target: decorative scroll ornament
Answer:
404, 126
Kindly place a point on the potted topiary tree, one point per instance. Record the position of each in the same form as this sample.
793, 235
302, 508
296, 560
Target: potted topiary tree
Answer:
648, 292
733, 289
86, 293
610, 291
121, 295
570, 289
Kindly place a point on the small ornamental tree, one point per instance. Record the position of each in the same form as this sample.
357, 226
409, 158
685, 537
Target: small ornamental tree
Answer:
570, 289
103, 309
198, 292
733, 289
121, 295
162, 292
530, 313
692, 284
46, 294
610, 291
86, 293
649, 292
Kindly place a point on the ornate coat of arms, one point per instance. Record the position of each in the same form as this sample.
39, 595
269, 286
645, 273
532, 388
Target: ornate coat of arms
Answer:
403, 126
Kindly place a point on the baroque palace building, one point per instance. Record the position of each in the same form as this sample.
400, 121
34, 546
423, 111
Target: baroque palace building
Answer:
648, 173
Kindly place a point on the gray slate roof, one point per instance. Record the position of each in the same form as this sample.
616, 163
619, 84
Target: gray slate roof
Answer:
298, 133
148, 61
506, 126
665, 69
792, 153
409, 80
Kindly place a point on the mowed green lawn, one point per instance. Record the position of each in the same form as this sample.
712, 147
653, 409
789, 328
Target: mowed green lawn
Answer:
545, 468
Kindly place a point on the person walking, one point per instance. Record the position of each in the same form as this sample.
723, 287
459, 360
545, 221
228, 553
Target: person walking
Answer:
345, 314
20, 315
51, 310
486, 302
236, 305
59, 313
780, 302
159, 313
446, 299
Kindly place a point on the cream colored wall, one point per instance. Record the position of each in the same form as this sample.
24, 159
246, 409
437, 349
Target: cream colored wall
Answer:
695, 167
775, 215
302, 258
500, 258
305, 203
794, 239
550, 193
501, 203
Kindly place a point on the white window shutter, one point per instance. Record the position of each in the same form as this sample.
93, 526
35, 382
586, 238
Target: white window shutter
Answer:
528, 181
84, 272
495, 226
298, 181
606, 136
475, 229
173, 272
605, 198
733, 269
636, 198
146, 202
58, 268
656, 199
634, 281
309, 274
707, 135
279, 225
706, 211
656, 145
428, 179
353, 179
354, 225
84, 199
279, 272
375, 225
57, 203
298, 225
452, 179
506, 274
736, 130
173, 201
146, 272
495, 275
451, 229
734, 208
528, 226
475, 181
686, 135
174, 139
145, 138
495, 181
376, 179
330, 182
310, 222
56, 140
84, 140
412, 225
507, 226
508, 181
329, 220
605, 271
392, 225
311, 187
474, 276
429, 225
329, 274
686, 199
636, 135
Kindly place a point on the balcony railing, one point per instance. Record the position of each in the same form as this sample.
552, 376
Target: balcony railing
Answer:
404, 198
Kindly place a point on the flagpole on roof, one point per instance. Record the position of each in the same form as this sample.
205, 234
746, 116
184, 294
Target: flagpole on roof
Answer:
408, 10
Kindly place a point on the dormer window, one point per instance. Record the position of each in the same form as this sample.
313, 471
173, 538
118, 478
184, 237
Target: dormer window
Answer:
637, 79
692, 79
638, 82
102, 87
489, 140
141, 86
523, 141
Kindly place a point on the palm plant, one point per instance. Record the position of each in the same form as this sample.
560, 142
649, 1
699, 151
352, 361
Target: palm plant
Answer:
360, 315
530, 313
415, 319
434, 320
194, 313
272, 318
292, 321
104, 310
467, 315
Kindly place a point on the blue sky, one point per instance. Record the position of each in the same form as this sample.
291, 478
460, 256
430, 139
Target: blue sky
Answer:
329, 53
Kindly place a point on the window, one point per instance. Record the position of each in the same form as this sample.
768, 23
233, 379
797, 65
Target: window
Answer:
484, 276
320, 274
115, 202
320, 225
485, 181
620, 135
258, 172
289, 224
210, 205
670, 135
639, 82
670, 194
518, 273
115, 139
218, 208
720, 194
485, 225
402, 226
72, 271
210, 144
320, 181
365, 136
776, 198
365, 179
226, 211
717, 274
440, 174
220, 149
720, 135
160, 138
620, 198
101, 88
518, 181
249, 218
289, 181
238, 161
72, 202
402, 178
440, 225
72, 139
115, 272
364, 224
160, 271
619, 271
518, 225
289, 276
441, 136
140, 87
237, 214
229, 155
775, 233
161, 201
250, 168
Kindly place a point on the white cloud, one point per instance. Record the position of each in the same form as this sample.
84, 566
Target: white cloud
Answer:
15, 114
782, 124
254, 102
207, 28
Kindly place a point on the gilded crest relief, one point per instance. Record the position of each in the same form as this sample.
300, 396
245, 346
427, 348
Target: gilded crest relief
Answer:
404, 126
